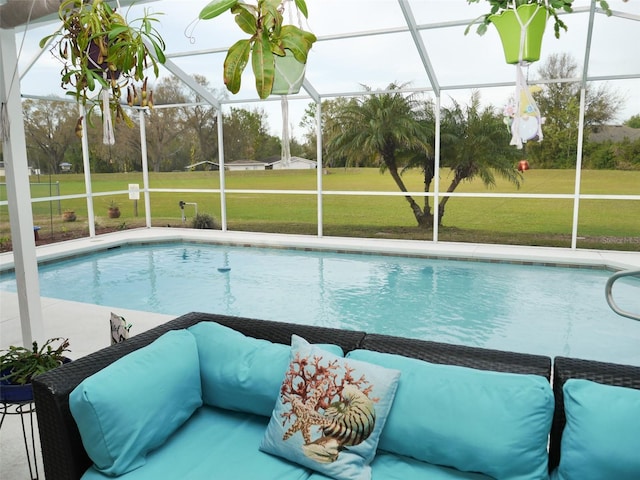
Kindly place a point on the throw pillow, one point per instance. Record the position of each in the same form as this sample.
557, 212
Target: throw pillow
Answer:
330, 412
134, 405
119, 328
472, 420
601, 439
241, 373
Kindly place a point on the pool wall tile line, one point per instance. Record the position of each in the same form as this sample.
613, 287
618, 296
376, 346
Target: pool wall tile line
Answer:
543, 256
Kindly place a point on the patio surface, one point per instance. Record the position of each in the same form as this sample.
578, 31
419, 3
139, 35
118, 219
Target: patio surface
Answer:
93, 331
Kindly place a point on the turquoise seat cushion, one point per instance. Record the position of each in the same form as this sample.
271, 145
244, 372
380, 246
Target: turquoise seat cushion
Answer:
389, 466
601, 439
238, 372
132, 406
213, 444
330, 412
472, 420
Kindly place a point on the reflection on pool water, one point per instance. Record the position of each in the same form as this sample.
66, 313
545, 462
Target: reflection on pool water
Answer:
535, 309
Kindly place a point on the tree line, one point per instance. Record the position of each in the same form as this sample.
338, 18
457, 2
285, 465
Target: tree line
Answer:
393, 131
176, 136
183, 135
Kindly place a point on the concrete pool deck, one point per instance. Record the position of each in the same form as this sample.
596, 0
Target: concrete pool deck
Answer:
93, 332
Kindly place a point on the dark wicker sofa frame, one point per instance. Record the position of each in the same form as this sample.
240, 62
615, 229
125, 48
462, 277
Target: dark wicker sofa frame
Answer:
565, 368
64, 455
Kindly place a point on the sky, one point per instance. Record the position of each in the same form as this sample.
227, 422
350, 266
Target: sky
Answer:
340, 64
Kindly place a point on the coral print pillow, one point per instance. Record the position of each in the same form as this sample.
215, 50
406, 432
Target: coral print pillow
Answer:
330, 412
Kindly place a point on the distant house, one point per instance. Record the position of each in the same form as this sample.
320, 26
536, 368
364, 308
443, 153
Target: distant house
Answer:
244, 165
31, 170
271, 163
614, 133
295, 163
204, 165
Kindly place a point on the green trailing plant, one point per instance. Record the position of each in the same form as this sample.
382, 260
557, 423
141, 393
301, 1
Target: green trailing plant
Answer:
100, 48
268, 38
551, 6
20, 364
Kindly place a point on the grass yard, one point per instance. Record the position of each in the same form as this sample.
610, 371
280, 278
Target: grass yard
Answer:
610, 224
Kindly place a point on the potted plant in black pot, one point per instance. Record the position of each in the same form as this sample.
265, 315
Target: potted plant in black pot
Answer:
18, 365
278, 52
100, 48
521, 24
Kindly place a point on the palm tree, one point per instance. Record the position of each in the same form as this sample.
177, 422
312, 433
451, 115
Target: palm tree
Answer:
381, 126
400, 131
475, 143
424, 159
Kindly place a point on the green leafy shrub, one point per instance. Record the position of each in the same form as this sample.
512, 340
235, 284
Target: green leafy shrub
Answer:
204, 221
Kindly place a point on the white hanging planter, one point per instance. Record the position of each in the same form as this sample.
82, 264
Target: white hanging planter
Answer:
289, 74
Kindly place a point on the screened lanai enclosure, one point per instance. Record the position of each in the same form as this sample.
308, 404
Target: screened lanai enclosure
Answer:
414, 49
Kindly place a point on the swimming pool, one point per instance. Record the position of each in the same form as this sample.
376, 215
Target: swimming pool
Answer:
535, 309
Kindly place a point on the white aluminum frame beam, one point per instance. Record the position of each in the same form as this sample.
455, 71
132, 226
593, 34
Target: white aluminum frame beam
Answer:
419, 43
14, 149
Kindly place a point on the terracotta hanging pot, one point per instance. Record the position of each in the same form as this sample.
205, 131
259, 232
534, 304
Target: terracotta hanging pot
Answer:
534, 19
289, 75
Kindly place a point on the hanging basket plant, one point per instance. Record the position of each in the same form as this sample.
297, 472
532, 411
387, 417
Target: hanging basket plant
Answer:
271, 45
521, 32
521, 24
101, 49
289, 74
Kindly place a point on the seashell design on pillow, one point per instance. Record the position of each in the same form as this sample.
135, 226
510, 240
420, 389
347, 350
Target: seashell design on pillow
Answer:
339, 411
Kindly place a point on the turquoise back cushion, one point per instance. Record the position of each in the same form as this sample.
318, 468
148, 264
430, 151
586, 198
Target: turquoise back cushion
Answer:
132, 406
602, 436
473, 420
241, 373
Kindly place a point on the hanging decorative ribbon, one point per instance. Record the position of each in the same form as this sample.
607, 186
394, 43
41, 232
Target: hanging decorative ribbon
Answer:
287, 82
286, 137
525, 120
108, 137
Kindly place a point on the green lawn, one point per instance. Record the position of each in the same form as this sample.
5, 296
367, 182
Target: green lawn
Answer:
602, 223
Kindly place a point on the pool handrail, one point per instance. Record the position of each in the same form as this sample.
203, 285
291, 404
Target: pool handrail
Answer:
609, 286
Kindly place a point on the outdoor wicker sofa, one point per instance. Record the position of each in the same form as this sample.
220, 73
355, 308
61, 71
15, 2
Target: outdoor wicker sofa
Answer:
65, 456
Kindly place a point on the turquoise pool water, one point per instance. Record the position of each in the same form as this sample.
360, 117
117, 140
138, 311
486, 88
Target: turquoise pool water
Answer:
536, 309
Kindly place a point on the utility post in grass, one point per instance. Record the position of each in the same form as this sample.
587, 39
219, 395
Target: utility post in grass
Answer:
134, 194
